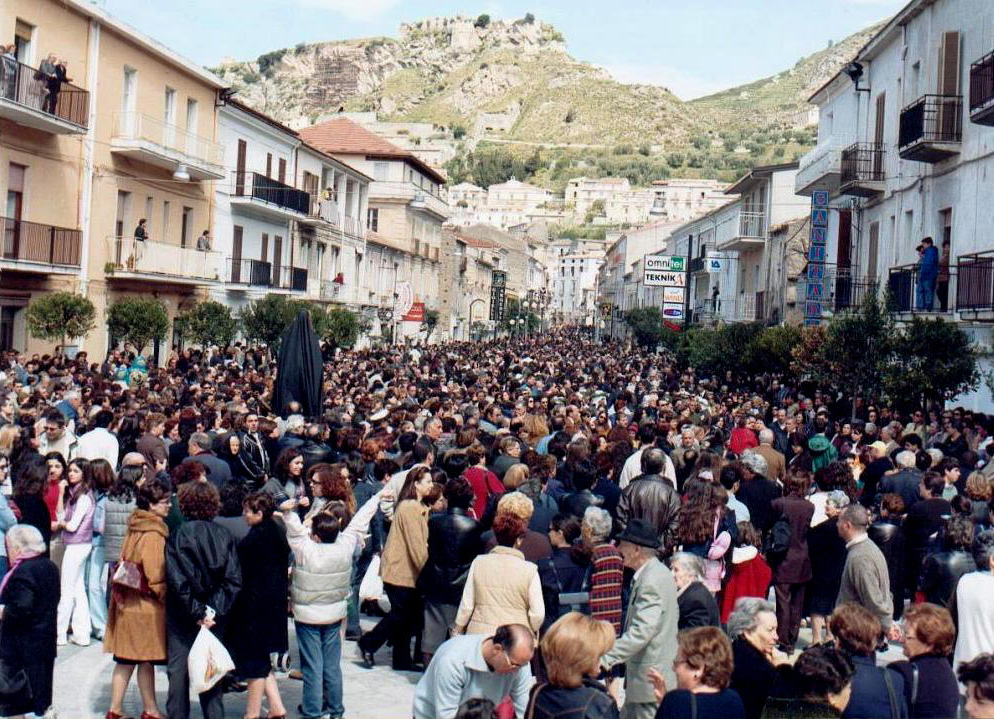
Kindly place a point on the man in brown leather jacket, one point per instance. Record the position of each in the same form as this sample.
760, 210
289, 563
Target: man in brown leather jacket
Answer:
652, 498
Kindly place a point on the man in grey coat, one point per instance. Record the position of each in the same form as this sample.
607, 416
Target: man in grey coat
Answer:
649, 639
865, 579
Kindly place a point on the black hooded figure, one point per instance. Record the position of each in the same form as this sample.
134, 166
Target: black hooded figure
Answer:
299, 368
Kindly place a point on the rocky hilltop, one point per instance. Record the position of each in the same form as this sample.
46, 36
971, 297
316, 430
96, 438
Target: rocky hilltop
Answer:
500, 92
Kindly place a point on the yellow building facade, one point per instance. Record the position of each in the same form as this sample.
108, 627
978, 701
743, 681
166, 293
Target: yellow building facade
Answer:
130, 136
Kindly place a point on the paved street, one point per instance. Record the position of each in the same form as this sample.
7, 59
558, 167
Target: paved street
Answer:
82, 686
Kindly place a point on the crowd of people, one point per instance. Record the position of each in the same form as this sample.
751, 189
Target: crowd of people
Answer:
540, 527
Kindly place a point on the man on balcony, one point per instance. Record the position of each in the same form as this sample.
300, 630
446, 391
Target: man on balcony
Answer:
928, 271
204, 242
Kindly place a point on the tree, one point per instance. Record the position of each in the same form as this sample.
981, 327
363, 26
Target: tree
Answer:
267, 319
647, 325
208, 323
529, 18
771, 350
856, 348
482, 21
341, 328
932, 361
59, 315
138, 321
429, 324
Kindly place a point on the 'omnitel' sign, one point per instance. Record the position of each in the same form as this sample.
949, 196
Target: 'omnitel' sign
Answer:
665, 271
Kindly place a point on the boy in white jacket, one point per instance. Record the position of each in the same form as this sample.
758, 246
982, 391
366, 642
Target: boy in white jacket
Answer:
323, 560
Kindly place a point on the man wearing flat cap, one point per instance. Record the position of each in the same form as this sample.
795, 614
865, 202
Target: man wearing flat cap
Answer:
649, 639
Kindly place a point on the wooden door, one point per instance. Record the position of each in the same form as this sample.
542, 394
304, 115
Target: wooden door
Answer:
240, 169
277, 258
282, 171
878, 137
236, 255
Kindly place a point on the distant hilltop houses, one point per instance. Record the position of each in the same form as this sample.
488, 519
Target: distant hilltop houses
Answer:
609, 201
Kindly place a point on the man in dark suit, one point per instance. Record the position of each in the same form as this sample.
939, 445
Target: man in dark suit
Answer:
218, 471
757, 492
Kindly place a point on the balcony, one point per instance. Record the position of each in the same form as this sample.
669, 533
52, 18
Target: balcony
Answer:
975, 286
819, 170
405, 191
161, 261
33, 247
749, 233
150, 140
354, 227
247, 274
268, 199
745, 308
339, 292
322, 211
908, 298
982, 90
931, 128
848, 291
862, 170
25, 100
250, 273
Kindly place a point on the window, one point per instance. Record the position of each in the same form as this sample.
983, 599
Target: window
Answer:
192, 114
123, 210
186, 228
381, 171
946, 227
269, 164
908, 228
169, 116
165, 218
373, 219
129, 100
15, 193
149, 203
23, 41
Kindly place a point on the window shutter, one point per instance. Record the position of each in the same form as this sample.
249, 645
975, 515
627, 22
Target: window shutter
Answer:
871, 260
949, 63
282, 170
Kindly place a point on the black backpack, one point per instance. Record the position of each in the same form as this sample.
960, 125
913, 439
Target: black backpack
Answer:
778, 540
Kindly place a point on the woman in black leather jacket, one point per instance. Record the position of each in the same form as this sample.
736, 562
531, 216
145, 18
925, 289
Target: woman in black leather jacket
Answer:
930, 686
453, 543
888, 534
202, 573
941, 571
572, 651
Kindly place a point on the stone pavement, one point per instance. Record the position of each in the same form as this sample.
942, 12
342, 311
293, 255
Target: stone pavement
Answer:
82, 686
82, 683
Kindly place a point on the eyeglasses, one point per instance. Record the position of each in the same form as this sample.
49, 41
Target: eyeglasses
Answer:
510, 664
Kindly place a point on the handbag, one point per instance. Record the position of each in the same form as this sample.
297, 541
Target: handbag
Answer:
530, 711
15, 691
129, 575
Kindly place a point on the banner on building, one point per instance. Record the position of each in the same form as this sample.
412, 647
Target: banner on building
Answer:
498, 289
815, 292
416, 313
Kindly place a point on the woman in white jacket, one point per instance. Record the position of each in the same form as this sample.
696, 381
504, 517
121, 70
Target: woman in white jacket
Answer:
320, 590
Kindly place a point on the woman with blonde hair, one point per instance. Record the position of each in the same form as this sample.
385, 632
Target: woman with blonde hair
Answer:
515, 476
572, 651
978, 491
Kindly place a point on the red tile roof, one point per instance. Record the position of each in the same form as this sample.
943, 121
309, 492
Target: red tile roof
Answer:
343, 136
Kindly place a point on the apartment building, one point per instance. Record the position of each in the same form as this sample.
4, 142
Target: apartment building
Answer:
731, 262
622, 204
620, 282
683, 200
906, 151
131, 137
467, 275
574, 266
406, 210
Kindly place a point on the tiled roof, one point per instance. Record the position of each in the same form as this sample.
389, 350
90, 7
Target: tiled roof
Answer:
343, 136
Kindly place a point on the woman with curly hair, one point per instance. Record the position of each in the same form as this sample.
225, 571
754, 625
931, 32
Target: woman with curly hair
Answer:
329, 483
704, 530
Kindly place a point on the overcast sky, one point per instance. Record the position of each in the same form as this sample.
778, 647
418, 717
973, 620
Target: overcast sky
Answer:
693, 48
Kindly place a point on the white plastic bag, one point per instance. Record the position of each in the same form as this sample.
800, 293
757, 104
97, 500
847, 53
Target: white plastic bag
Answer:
208, 662
371, 586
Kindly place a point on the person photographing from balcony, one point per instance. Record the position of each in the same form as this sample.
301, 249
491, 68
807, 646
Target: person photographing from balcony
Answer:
928, 270
204, 242
141, 237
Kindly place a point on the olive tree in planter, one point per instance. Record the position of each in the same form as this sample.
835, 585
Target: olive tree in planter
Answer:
58, 316
138, 321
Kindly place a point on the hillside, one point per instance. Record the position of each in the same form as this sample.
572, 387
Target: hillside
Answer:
505, 97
